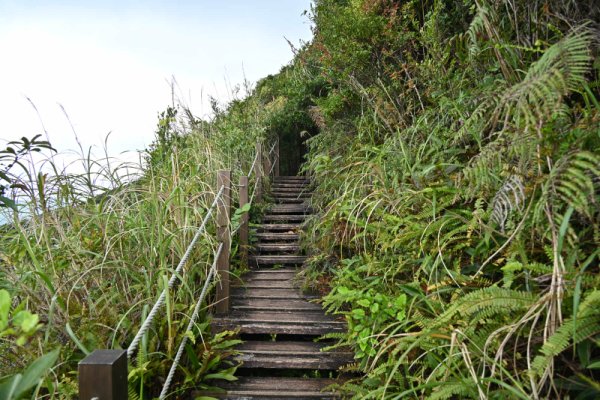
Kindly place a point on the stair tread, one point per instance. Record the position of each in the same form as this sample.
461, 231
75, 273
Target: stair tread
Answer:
269, 304
289, 228
272, 293
284, 217
290, 354
251, 388
277, 247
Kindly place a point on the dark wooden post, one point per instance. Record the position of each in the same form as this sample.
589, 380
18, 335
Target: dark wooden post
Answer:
103, 375
223, 218
276, 155
258, 171
244, 220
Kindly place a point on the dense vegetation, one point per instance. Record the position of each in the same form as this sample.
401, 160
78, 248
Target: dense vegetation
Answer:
454, 146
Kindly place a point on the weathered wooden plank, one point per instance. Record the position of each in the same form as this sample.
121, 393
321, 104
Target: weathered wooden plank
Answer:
284, 217
267, 284
293, 195
253, 304
254, 388
277, 328
277, 259
277, 236
270, 294
291, 354
283, 247
288, 228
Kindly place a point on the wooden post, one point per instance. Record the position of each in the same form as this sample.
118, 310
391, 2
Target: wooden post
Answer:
276, 155
258, 171
267, 165
244, 220
223, 218
103, 375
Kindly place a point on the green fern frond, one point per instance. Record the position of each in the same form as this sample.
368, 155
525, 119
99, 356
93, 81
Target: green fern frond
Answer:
453, 389
570, 333
561, 70
572, 180
486, 302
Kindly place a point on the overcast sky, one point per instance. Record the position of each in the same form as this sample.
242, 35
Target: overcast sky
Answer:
108, 63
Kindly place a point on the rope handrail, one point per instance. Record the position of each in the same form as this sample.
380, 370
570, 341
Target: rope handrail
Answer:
253, 164
161, 299
193, 318
116, 360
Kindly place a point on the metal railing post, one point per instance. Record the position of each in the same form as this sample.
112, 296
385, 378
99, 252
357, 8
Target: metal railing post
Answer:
103, 375
258, 171
244, 220
276, 168
223, 218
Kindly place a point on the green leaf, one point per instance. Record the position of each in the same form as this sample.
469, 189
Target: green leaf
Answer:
26, 321
364, 302
4, 308
8, 203
76, 340
35, 372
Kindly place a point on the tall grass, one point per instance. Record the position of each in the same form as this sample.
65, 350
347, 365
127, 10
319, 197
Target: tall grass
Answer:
90, 251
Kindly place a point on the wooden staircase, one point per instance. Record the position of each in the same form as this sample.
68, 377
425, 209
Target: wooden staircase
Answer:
277, 322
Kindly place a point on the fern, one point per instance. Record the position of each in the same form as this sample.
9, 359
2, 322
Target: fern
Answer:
486, 302
453, 389
560, 70
509, 198
570, 333
572, 180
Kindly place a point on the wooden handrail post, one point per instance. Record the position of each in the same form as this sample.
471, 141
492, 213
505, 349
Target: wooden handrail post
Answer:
276, 168
244, 220
103, 375
267, 164
223, 218
258, 171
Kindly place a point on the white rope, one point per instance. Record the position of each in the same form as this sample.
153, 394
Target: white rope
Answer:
273, 147
253, 164
184, 340
161, 299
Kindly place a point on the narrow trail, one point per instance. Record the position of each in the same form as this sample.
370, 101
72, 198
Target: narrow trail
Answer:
277, 322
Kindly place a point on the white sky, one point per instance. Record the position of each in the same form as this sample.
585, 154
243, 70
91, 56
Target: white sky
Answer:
109, 62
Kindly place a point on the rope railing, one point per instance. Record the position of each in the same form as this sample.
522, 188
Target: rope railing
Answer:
193, 318
113, 363
176, 274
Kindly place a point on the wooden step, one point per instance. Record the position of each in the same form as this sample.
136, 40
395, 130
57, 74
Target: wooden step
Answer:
279, 236
266, 284
292, 195
291, 355
289, 209
289, 228
274, 294
291, 178
289, 184
255, 388
271, 275
290, 200
277, 259
284, 189
252, 304
283, 247
284, 323
284, 217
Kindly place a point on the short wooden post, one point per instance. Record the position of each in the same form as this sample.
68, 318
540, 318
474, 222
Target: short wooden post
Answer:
103, 375
276, 155
223, 218
258, 171
244, 220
